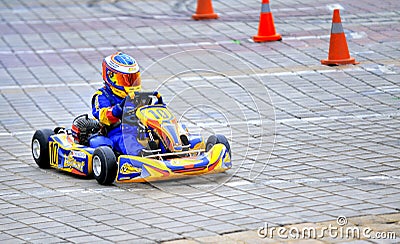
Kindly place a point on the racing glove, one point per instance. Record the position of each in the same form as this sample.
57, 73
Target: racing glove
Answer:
159, 97
118, 109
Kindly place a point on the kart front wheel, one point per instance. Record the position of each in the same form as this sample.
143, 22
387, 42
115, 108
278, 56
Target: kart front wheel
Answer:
218, 139
40, 147
104, 165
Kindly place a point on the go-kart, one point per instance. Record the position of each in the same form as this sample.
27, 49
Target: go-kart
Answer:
171, 151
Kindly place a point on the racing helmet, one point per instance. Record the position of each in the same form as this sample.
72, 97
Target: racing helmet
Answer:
83, 127
121, 74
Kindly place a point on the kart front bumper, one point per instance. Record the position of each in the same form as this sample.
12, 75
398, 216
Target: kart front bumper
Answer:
139, 169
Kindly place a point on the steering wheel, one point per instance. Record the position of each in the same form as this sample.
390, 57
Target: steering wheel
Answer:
130, 117
140, 99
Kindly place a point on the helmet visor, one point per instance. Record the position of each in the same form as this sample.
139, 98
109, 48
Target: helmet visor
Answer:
128, 80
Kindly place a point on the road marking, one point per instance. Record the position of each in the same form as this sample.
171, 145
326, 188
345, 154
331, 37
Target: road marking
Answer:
354, 35
155, 16
12, 134
190, 78
92, 49
238, 183
361, 116
382, 90
105, 190
334, 6
305, 37
44, 86
251, 122
381, 68
373, 178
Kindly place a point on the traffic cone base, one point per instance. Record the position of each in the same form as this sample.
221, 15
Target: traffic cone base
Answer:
205, 16
331, 62
271, 38
204, 10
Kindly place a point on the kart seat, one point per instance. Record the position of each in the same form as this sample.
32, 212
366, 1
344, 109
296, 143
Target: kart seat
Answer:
99, 140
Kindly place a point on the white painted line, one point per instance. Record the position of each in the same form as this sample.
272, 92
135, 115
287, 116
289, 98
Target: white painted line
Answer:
362, 116
12, 134
89, 190
74, 20
127, 18
372, 178
251, 122
384, 69
90, 49
267, 74
357, 35
104, 190
375, 177
364, 52
382, 89
354, 35
294, 9
339, 179
239, 183
189, 78
306, 180
43, 86
305, 37
52, 192
334, 6
230, 124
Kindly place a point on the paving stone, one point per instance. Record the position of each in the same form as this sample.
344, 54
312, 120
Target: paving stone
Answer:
12, 226
21, 231
163, 236
86, 238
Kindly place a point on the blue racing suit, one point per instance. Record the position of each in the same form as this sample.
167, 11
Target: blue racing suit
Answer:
105, 108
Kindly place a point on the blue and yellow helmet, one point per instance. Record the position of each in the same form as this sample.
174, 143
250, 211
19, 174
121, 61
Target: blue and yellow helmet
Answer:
121, 74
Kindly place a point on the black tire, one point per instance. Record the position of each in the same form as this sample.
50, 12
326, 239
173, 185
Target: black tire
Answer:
218, 139
40, 147
104, 165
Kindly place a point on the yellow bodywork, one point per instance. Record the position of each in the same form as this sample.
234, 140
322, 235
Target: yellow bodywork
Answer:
214, 161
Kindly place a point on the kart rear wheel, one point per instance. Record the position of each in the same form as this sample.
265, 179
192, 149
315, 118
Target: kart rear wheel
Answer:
104, 165
40, 147
218, 139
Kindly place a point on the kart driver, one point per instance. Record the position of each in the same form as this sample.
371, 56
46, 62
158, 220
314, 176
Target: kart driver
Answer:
121, 75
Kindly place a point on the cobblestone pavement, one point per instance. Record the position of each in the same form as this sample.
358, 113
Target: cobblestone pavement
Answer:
355, 229
334, 130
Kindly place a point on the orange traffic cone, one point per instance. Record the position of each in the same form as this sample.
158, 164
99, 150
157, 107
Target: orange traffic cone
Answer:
266, 28
338, 49
204, 10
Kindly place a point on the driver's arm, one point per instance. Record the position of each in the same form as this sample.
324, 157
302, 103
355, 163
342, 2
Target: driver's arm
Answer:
102, 109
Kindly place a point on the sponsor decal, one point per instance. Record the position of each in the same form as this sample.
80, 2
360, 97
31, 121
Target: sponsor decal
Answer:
78, 154
126, 168
132, 69
70, 162
113, 65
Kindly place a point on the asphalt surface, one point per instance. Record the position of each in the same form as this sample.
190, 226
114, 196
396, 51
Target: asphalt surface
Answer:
309, 142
